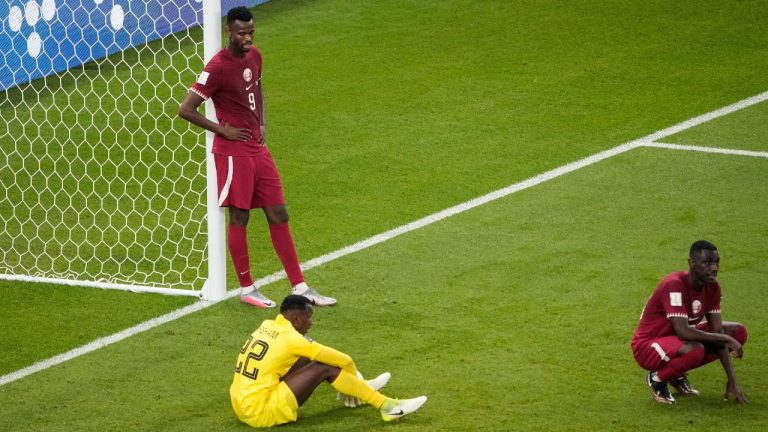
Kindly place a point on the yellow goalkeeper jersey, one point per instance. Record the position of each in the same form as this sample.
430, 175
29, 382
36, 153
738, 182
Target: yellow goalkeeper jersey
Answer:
268, 354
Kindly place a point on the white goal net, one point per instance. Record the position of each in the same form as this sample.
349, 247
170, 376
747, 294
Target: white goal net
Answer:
102, 184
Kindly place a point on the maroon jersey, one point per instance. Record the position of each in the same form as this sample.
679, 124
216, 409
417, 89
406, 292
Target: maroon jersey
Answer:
675, 297
233, 84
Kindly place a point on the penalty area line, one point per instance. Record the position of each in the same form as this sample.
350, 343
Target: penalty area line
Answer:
718, 150
695, 121
382, 237
316, 262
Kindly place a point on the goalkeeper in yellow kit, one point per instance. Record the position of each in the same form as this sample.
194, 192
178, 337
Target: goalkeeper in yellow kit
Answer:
279, 367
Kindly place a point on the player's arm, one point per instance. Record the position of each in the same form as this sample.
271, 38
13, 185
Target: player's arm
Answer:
188, 111
715, 321
262, 114
686, 332
304, 346
336, 358
724, 353
722, 341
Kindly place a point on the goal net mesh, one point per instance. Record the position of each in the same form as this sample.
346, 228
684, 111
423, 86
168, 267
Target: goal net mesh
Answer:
100, 179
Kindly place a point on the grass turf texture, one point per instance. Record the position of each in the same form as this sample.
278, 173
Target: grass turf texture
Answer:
504, 347
382, 114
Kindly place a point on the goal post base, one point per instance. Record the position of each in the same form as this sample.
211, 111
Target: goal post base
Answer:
103, 285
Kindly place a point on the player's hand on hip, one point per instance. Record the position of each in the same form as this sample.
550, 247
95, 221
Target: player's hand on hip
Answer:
235, 134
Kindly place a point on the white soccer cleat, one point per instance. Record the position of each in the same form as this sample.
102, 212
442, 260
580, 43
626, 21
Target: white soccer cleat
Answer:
380, 381
316, 298
256, 298
393, 409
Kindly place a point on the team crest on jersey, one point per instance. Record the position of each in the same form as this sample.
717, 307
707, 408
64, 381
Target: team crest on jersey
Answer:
696, 307
247, 75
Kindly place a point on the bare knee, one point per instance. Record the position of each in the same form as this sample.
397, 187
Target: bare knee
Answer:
304, 380
314, 371
329, 372
276, 214
238, 217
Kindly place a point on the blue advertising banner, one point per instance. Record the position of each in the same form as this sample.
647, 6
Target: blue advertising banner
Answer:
43, 37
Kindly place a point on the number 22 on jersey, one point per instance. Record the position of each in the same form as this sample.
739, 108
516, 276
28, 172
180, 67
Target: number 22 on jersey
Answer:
256, 350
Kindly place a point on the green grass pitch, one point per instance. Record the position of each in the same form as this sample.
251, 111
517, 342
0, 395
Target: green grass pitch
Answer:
515, 315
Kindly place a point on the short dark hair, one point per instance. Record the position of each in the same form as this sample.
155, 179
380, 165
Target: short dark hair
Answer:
294, 302
701, 245
240, 13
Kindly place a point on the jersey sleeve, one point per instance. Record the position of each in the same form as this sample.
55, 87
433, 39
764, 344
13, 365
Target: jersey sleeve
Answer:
303, 346
260, 62
315, 351
208, 81
672, 299
336, 358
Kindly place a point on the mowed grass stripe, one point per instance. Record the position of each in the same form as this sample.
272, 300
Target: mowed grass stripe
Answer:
560, 83
383, 112
364, 244
524, 326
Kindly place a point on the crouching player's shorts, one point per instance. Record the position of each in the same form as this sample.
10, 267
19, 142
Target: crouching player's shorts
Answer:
653, 354
278, 407
248, 182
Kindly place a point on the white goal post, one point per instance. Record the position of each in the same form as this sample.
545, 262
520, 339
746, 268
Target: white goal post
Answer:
102, 185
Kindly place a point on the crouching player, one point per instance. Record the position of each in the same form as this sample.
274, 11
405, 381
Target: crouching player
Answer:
278, 368
672, 336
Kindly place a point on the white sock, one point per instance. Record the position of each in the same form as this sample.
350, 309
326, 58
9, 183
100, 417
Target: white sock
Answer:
655, 377
247, 290
300, 288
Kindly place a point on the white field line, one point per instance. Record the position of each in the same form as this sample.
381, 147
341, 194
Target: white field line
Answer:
379, 238
707, 149
656, 136
102, 342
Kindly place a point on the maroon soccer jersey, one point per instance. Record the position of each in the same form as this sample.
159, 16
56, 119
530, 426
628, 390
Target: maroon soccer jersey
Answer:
233, 84
675, 297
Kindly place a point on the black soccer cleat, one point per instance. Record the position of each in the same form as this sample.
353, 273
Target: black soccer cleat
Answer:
683, 387
659, 390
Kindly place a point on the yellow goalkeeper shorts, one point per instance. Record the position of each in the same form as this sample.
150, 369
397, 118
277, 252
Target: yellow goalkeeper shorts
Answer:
278, 408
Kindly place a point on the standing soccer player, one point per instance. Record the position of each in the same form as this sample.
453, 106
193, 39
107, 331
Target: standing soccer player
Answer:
247, 175
672, 337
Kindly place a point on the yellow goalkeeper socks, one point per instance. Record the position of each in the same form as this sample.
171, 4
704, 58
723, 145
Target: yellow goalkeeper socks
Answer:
351, 385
